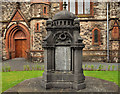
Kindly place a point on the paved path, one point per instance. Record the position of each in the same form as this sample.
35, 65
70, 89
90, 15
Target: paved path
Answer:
92, 85
18, 63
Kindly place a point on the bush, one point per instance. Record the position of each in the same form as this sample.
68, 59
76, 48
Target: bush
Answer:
6, 68
9, 68
92, 67
28, 67
89, 67
85, 66
3, 70
109, 67
100, 67
113, 67
42, 67
24, 68
33, 68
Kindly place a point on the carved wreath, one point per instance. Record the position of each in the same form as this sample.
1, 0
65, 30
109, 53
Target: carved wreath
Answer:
62, 37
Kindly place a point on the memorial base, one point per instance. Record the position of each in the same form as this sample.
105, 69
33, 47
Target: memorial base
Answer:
62, 80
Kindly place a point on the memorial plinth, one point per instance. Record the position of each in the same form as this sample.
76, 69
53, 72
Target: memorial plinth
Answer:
63, 53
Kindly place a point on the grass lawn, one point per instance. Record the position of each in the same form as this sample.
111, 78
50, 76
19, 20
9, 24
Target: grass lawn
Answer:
10, 79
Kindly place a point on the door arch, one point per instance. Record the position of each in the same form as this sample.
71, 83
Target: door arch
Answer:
17, 41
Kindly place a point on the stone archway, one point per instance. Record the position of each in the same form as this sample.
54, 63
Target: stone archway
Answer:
17, 41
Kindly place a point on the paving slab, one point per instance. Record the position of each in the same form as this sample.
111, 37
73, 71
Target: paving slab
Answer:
92, 85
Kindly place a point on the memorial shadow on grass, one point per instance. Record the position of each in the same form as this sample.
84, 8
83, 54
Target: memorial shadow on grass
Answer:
10, 79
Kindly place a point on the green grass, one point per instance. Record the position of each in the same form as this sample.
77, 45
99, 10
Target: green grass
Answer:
10, 79
106, 75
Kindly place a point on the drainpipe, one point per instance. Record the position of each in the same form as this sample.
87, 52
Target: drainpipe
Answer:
107, 34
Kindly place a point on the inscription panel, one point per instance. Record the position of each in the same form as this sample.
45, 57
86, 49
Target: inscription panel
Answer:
62, 58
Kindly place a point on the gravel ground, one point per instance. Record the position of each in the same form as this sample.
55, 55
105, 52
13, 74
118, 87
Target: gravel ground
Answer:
18, 63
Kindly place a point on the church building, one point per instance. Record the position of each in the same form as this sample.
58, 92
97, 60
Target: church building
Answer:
24, 28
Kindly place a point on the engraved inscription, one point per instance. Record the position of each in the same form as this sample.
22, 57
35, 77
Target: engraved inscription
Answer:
62, 58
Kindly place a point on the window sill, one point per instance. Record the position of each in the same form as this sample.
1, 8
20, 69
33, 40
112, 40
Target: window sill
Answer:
37, 32
85, 16
96, 44
45, 14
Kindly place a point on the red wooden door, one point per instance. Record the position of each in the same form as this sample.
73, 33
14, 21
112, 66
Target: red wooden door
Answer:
20, 48
24, 47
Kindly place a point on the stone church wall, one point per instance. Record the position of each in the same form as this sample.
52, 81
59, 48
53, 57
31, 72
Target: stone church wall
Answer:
8, 9
36, 40
33, 14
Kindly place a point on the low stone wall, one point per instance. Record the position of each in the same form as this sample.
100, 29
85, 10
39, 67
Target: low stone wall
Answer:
36, 56
115, 56
94, 55
88, 56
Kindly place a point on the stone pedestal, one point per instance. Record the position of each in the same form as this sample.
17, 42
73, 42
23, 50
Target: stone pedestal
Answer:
63, 53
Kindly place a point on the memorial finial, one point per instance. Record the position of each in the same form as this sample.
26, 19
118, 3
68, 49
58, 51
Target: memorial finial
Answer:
64, 5
17, 5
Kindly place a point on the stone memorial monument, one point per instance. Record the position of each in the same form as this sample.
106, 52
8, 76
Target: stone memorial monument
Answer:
63, 52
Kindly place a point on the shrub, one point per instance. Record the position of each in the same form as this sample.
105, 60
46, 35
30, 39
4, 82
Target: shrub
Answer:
3, 70
109, 67
9, 68
33, 68
24, 67
89, 67
100, 67
28, 67
85, 66
92, 67
42, 67
37, 67
6, 68
113, 67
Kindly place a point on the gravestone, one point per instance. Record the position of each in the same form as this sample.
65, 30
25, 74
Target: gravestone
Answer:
63, 52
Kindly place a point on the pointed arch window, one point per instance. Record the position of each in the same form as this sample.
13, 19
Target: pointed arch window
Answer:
96, 36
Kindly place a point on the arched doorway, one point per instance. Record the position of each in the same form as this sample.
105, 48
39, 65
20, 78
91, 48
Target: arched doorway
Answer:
17, 41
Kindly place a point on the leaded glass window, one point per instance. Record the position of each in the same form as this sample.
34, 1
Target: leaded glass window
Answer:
96, 36
79, 6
